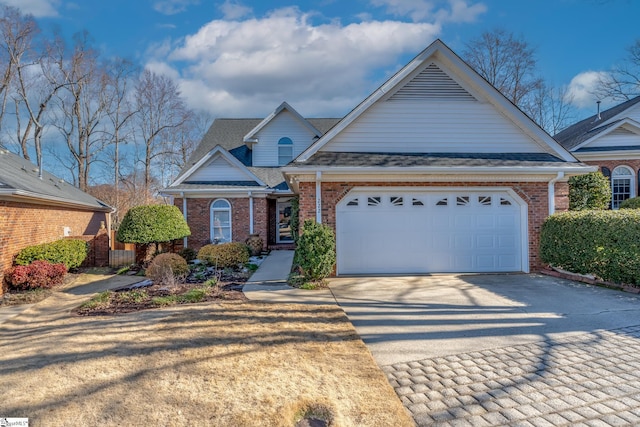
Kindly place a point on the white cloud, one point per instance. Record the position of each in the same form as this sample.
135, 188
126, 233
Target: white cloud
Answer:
421, 10
234, 10
582, 87
172, 7
37, 8
246, 68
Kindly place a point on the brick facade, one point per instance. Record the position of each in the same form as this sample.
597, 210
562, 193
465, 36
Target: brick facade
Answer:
199, 219
535, 194
25, 224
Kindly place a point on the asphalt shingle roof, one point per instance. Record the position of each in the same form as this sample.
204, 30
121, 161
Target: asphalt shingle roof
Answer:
431, 159
586, 129
229, 134
20, 177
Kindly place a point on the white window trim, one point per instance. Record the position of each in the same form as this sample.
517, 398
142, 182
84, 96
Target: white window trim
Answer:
211, 219
282, 146
631, 178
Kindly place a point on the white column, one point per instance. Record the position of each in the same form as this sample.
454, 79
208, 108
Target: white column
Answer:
318, 197
184, 214
250, 213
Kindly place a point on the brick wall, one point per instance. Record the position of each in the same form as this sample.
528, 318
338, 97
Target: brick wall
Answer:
535, 194
199, 219
24, 224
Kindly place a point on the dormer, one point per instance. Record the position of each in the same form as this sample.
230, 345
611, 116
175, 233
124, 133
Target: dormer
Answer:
280, 137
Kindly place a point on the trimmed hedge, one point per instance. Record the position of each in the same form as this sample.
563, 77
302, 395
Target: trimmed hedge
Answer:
70, 252
225, 255
152, 224
316, 250
603, 243
39, 274
589, 191
632, 203
167, 266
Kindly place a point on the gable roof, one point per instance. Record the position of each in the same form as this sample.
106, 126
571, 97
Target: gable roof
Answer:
476, 86
19, 180
251, 136
587, 129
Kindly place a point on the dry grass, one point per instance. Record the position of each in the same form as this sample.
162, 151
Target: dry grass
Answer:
230, 364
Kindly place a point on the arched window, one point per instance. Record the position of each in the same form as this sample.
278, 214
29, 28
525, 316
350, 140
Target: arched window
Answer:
285, 151
220, 221
621, 185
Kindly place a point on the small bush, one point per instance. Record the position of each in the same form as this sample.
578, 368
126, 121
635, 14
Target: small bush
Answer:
70, 252
38, 274
152, 224
101, 300
590, 191
603, 243
189, 254
316, 251
167, 268
193, 295
225, 255
632, 203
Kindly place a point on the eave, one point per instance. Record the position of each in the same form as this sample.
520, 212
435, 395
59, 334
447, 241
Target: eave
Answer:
23, 196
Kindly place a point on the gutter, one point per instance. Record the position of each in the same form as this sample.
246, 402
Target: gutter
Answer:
453, 170
58, 201
552, 192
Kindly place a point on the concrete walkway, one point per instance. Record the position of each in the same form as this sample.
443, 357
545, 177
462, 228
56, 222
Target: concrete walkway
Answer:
69, 296
269, 283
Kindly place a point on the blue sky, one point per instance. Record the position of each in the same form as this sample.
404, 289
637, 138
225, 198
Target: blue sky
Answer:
242, 58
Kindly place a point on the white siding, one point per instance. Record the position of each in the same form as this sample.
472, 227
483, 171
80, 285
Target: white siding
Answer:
632, 113
285, 124
451, 126
219, 169
617, 138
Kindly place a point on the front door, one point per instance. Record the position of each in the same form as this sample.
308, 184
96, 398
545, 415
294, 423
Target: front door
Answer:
283, 219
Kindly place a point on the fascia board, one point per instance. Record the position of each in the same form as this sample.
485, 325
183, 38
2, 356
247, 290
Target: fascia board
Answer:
251, 136
453, 170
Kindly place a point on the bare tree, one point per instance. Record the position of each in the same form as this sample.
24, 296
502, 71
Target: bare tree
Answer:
508, 63
622, 82
160, 109
82, 105
552, 108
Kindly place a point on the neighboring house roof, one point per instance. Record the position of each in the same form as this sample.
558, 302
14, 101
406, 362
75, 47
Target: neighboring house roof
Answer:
578, 133
403, 85
19, 180
251, 137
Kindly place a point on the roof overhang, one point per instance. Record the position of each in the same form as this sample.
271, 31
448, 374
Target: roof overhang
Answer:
23, 196
251, 137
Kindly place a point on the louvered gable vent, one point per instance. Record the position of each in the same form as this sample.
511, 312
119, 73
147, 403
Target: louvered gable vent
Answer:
432, 84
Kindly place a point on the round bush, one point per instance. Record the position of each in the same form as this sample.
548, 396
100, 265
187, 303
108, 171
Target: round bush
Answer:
188, 253
316, 251
152, 224
166, 267
632, 203
590, 191
225, 255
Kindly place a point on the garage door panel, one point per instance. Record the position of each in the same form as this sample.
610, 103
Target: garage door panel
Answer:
423, 232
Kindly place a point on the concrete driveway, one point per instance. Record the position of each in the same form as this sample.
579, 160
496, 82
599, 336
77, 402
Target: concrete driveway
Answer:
501, 349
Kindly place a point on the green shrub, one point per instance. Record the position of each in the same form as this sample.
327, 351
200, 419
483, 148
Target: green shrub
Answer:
316, 250
189, 254
37, 275
70, 252
152, 224
632, 203
590, 191
166, 268
225, 255
603, 243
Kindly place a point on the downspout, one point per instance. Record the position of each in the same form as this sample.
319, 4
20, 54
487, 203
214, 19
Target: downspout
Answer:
318, 197
250, 213
184, 214
552, 192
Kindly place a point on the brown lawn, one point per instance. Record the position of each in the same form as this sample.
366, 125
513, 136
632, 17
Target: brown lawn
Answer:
209, 364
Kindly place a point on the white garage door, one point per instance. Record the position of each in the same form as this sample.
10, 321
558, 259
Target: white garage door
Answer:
396, 231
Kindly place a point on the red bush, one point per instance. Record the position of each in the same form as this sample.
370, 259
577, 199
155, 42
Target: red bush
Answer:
38, 274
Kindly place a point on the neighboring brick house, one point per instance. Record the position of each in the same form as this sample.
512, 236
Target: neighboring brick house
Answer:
610, 140
38, 209
435, 171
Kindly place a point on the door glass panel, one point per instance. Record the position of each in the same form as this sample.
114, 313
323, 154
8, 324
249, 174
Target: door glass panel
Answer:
284, 222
